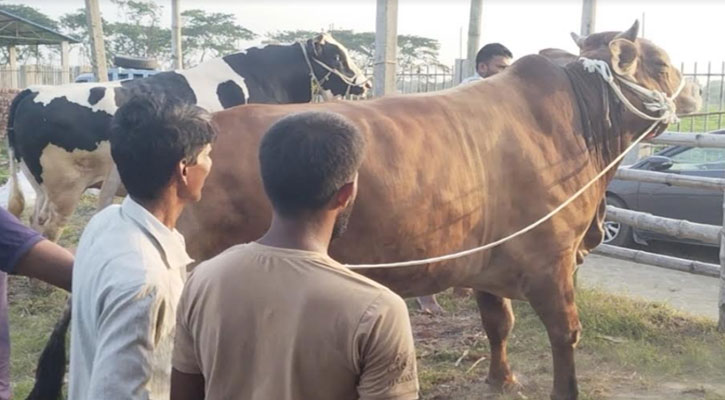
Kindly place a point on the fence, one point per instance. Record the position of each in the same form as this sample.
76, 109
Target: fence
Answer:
28, 75
675, 228
711, 78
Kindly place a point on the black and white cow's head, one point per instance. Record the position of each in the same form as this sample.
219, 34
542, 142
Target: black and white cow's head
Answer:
333, 68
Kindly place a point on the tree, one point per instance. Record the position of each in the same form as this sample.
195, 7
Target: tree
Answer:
25, 53
412, 50
210, 34
140, 34
76, 25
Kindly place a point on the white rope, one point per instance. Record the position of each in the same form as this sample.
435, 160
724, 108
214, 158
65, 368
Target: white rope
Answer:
668, 113
653, 100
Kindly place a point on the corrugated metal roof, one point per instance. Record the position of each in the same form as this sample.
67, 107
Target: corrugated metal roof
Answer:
15, 30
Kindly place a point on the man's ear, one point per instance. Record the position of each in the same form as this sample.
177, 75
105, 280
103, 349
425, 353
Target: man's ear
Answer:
182, 170
344, 195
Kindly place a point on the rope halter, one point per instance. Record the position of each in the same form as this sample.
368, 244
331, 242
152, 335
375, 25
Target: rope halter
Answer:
653, 100
317, 84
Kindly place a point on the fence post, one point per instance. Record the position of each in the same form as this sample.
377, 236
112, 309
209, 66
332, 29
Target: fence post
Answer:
721, 300
13, 59
64, 62
386, 42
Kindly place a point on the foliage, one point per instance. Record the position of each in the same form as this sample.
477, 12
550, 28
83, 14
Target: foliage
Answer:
412, 50
140, 34
210, 34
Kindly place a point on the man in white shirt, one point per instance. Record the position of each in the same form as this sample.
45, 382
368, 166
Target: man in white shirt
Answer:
490, 60
131, 262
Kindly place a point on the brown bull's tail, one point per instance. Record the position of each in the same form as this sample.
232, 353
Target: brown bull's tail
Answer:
51, 365
16, 201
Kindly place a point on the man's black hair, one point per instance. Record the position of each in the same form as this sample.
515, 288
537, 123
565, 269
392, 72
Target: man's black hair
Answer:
150, 136
306, 158
492, 50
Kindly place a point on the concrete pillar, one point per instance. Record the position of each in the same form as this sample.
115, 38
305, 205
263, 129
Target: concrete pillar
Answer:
98, 49
589, 16
176, 50
474, 36
64, 62
386, 43
13, 61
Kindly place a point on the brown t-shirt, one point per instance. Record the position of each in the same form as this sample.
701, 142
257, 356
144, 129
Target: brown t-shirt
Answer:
266, 323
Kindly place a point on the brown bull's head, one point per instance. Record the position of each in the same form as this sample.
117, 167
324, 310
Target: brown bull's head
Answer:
641, 61
334, 68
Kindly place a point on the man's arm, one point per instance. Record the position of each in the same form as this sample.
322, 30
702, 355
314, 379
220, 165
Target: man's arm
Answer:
48, 262
387, 352
186, 386
127, 326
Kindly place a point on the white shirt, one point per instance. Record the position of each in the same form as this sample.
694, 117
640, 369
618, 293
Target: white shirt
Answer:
127, 279
473, 78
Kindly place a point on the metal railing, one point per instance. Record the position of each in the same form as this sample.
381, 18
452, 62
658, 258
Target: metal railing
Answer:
676, 228
711, 77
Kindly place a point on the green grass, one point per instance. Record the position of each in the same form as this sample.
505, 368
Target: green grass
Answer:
627, 347
701, 123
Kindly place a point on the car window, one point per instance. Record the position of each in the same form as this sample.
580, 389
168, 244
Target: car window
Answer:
698, 159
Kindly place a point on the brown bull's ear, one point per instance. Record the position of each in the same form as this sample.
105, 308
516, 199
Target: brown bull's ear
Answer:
579, 40
624, 56
631, 33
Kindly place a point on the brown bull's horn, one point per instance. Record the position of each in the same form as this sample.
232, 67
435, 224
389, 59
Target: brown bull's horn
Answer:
631, 33
579, 40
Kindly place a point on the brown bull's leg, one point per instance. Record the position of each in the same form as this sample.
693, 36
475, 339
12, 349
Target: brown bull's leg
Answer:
553, 300
109, 189
498, 320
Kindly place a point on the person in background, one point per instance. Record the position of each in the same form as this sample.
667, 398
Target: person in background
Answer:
490, 60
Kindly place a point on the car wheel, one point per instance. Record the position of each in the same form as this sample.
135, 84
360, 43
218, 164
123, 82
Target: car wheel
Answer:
617, 234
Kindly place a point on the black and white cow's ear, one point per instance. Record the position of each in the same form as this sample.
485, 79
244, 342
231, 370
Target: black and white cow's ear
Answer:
625, 55
317, 44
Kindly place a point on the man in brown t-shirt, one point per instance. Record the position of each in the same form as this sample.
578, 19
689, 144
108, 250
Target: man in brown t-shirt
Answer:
278, 318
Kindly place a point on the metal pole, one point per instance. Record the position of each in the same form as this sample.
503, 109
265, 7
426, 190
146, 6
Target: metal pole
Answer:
474, 35
98, 51
64, 62
721, 300
176, 51
589, 16
386, 35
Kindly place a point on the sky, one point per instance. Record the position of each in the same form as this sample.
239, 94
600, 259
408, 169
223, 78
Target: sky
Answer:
690, 31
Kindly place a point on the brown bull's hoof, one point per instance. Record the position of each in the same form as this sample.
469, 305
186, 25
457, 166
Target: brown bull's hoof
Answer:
429, 305
509, 385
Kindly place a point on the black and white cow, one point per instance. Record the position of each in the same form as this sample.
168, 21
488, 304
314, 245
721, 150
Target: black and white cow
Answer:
59, 134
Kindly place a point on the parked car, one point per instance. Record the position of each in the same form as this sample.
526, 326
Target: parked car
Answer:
695, 205
125, 68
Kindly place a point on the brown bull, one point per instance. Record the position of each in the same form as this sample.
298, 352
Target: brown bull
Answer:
460, 168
